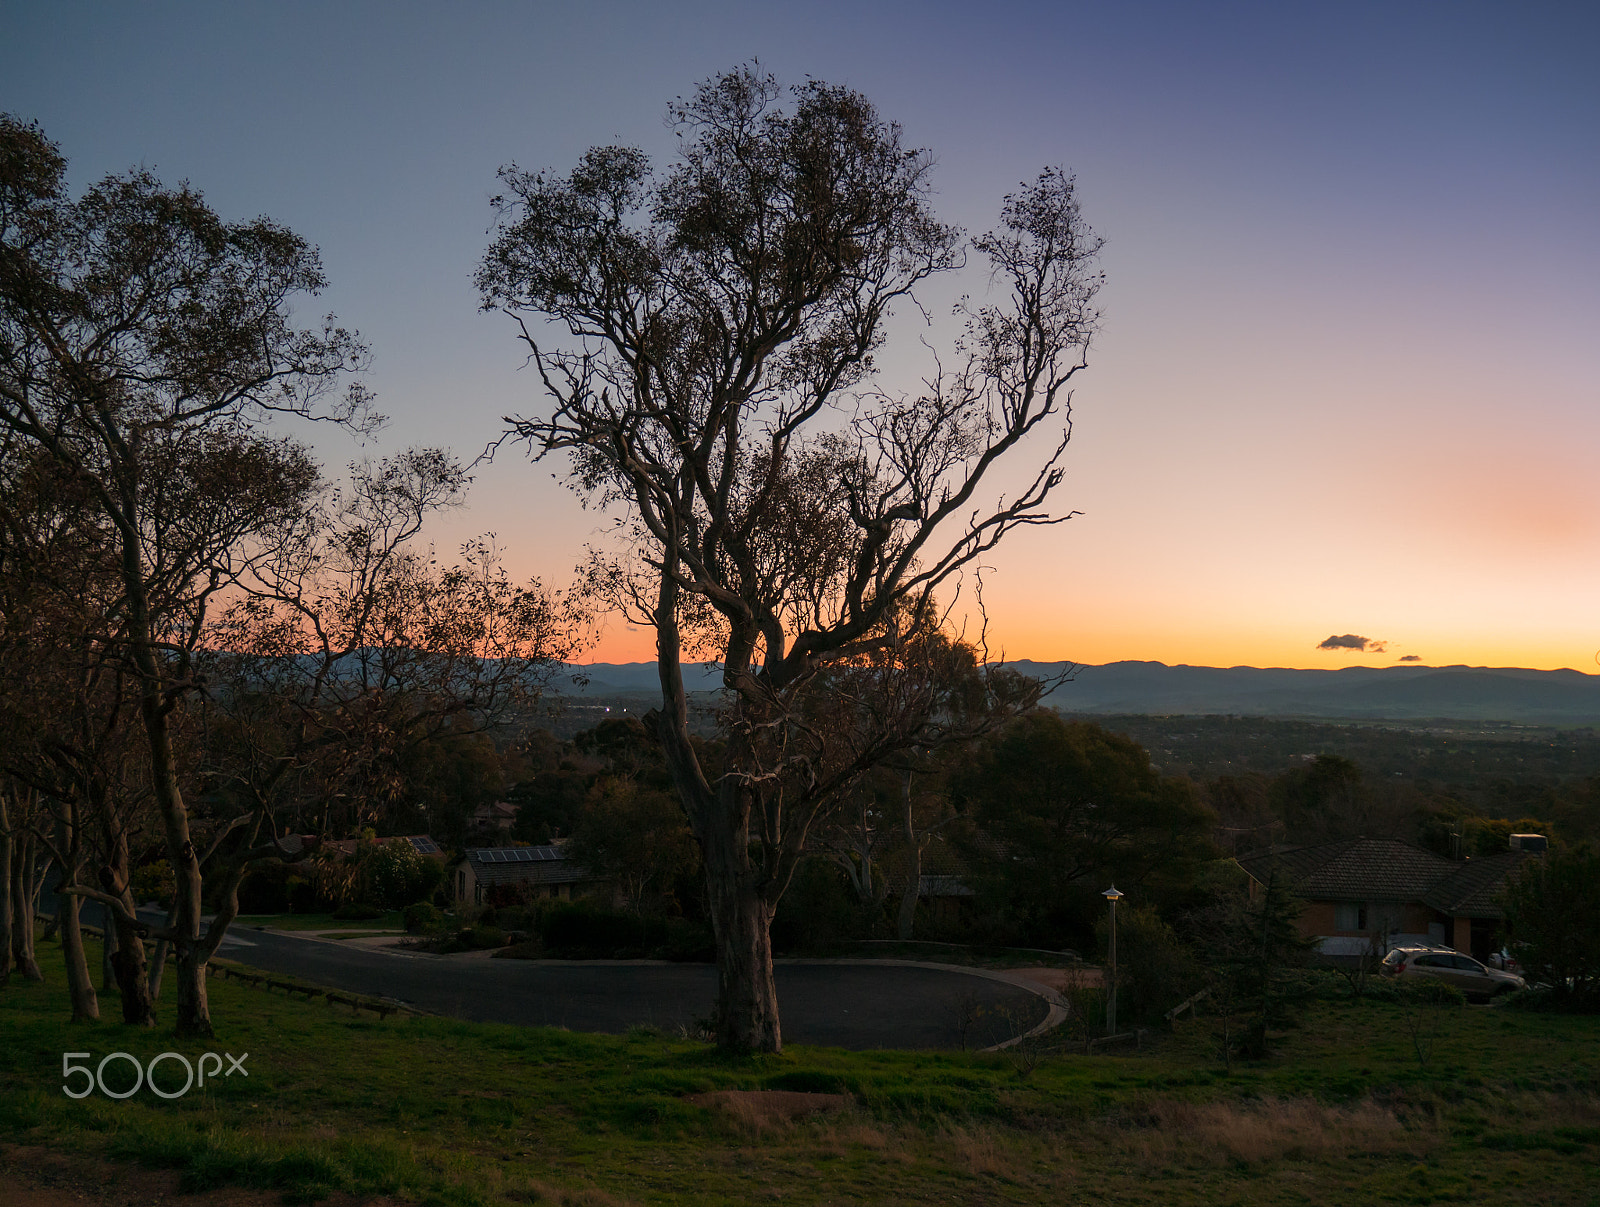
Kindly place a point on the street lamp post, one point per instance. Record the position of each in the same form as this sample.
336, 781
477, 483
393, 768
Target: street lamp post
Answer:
1112, 897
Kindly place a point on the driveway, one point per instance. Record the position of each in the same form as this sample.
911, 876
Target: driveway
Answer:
846, 1004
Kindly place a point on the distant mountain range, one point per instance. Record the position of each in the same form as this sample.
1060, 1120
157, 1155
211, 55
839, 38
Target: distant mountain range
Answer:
1467, 693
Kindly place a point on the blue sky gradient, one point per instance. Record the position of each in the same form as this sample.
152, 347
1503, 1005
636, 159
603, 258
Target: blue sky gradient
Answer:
1348, 375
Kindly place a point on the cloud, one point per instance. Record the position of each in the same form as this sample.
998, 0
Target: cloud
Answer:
1410, 657
1350, 641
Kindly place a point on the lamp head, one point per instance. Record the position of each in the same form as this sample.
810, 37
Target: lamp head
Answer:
1111, 894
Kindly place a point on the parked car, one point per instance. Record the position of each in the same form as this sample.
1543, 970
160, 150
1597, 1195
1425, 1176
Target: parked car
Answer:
1468, 975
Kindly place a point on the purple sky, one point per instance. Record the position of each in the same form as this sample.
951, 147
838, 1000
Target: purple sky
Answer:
1348, 377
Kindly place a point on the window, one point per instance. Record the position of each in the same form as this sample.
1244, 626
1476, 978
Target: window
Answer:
1350, 916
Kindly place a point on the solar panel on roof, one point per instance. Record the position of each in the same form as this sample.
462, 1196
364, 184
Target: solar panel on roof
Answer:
426, 846
516, 854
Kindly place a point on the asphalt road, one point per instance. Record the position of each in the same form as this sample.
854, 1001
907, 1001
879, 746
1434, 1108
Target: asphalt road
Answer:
831, 1004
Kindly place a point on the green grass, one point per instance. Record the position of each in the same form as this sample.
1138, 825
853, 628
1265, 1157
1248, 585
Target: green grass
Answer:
437, 1111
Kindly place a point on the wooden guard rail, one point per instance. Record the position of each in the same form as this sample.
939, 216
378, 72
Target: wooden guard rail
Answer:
290, 988
254, 979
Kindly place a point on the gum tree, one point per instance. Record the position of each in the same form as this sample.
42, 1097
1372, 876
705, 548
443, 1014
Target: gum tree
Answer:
144, 345
704, 340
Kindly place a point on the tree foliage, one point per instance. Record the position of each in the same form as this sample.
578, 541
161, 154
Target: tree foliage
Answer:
1057, 810
1552, 909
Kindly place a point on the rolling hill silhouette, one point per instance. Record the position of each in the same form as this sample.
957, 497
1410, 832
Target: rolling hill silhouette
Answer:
1513, 694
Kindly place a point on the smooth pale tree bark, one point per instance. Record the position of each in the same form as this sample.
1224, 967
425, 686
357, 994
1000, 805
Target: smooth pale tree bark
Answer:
26, 881
907, 920
69, 859
80, 986
158, 961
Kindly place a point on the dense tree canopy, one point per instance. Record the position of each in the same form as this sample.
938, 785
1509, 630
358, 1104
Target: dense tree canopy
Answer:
1059, 810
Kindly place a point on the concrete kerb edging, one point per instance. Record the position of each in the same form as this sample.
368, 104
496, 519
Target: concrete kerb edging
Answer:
1054, 1017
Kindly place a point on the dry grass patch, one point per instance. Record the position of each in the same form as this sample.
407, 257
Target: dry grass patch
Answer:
977, 1150
760, 1111
1166, 1130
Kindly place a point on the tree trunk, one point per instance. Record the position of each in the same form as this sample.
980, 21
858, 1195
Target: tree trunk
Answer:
158, 962
6, 903
80, 986
907, 920
24, 902
747, 997
124, 945
108, 950
133, 981
188, 949
746, 1016
69, 844
908, 902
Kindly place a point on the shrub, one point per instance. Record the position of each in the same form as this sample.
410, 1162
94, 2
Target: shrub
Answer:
265, 890
689, 942
154, 882
395, 873
579, 932
1155, 971
303, 898
479, 937
422, 917
357, 910
820, 911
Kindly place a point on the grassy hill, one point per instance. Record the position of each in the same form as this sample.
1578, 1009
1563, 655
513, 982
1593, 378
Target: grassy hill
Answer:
426, 1110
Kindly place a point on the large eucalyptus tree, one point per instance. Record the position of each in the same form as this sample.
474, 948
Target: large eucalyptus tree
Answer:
704, 340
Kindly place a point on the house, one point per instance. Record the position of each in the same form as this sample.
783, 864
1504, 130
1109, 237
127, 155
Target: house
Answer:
527, 871
1358, 890
494, 819
942, 891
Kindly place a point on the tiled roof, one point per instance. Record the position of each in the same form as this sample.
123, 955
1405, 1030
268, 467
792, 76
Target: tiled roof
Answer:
1470, 890
1294, 862
1355, 869
942, 871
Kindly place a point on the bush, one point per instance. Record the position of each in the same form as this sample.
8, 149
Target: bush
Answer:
303, 897
358, 911
395, 873
1429, 991
1544, 999
422, 917
1155, 971
583, 932
689, 942
154, 882
820, 911
265, 890
480, 937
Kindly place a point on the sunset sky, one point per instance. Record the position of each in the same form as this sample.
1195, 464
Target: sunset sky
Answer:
1350, 366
